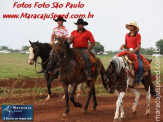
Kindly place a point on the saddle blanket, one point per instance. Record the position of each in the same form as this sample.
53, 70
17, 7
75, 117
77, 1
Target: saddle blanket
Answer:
133, 57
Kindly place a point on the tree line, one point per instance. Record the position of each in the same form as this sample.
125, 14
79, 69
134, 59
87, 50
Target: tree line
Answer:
99, 48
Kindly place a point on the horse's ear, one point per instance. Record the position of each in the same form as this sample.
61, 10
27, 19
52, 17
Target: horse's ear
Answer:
67, 44
37, 41
30, 42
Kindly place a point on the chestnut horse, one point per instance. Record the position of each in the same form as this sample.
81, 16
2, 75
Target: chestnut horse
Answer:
71, 73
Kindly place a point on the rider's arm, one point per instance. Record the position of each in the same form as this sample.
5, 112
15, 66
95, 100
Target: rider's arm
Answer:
123, 46
71, 39
92, 40
53, 36
66, 34
91, 46
135, 50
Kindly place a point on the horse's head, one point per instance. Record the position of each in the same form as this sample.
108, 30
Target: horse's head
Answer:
33, 52
113, 72
60, 47
110, 73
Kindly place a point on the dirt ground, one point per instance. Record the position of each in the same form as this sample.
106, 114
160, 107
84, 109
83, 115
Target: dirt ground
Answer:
52, 110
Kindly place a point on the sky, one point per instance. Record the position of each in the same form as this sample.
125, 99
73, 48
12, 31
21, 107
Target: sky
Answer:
107, 26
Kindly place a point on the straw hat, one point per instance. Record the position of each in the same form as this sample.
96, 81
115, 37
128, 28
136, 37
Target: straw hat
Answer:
133, 24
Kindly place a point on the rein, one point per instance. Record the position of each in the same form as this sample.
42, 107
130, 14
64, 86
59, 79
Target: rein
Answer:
41, 64
70, 64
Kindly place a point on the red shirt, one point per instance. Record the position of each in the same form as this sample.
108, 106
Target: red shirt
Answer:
81, 39
132, 41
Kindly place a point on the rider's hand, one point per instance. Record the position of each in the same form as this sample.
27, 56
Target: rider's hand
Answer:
130, 52
87, 51
51, 43
122, 46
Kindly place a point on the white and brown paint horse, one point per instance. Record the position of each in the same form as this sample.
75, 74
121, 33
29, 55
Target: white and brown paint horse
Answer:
119, 80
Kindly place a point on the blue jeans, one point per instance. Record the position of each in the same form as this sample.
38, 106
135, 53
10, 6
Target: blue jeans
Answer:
140, 68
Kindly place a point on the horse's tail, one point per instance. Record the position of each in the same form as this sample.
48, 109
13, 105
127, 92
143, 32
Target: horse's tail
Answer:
152, 90
103, 77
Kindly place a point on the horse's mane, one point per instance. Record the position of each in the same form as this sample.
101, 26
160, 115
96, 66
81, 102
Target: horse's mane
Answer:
44, 46
116, 64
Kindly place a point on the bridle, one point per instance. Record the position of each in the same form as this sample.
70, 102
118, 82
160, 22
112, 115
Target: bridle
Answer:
36, 58
115, 81
66, 56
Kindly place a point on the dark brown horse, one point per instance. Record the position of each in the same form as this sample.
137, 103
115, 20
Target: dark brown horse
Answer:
42, 50
119, 80
71, 73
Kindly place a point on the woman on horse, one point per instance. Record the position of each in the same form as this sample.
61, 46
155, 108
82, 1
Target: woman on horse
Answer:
60, 30
133, 45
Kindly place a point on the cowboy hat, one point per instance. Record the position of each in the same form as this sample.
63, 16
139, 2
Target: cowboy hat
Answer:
81, 21
133, 24
59, 18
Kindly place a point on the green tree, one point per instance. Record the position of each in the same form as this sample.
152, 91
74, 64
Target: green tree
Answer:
159, 44
98, 47
24, 48
150, 51
3, 48
143, 51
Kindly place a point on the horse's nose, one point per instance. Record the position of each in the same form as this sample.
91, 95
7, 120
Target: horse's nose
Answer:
30, 61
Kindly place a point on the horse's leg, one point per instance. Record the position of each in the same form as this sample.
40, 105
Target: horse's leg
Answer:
69, 90
121, 108
137, 95
94, 99
65, 86
89, 84
49, 86
119, 103
122, 111
147, 83
76, 104
79, 90
148, 97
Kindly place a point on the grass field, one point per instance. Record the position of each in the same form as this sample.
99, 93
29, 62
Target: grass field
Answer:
16, 66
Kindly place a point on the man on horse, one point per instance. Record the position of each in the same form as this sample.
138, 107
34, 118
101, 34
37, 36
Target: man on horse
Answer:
133, 45
80, 38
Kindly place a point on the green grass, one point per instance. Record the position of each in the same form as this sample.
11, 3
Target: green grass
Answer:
16, 66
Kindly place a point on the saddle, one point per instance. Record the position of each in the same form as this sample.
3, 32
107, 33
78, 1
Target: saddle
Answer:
133, 60
80, 59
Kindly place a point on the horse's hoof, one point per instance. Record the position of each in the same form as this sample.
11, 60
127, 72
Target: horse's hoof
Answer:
46, 100
115, 120
84, 111
93, 109
78, 105
65, 114
134, 112
147, 114
121, 118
